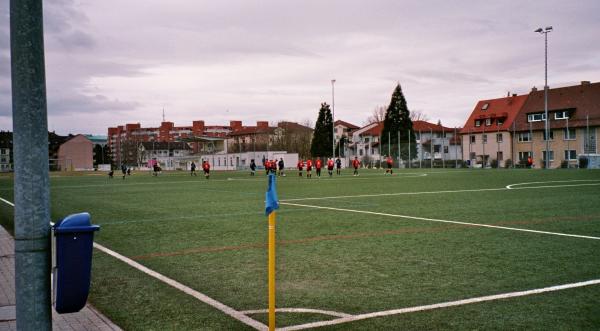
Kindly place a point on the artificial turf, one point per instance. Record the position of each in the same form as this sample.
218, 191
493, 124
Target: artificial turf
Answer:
211, 236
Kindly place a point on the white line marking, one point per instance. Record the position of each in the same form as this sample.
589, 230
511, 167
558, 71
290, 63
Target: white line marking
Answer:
7, 202
202, 297
441, 221
441, 305
297, 310
510, 187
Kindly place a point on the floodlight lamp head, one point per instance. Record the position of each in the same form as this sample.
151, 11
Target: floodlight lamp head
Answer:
332, 81
539, 30
549, 28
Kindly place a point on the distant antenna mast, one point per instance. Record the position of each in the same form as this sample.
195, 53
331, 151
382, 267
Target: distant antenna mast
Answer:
163, 114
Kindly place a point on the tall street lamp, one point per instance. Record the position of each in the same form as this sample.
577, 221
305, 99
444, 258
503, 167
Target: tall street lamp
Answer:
333, 116
545, 32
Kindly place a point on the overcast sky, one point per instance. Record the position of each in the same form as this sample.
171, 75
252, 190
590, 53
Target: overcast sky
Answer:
113, 62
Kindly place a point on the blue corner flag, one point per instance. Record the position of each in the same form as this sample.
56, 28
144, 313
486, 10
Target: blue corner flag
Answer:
271, 202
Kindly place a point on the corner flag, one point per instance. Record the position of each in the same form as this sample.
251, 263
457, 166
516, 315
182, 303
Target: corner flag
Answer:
271, 201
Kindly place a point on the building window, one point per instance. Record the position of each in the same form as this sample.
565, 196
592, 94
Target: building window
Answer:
570, 154
360, 152
472, 139
472, 156
551, 153
500, 122
561, 115
498, 137
524, 136
484, 138
569, 134
485, 106
488, 121
499, 156
445, 149
436, 148
551, 134
366, 140
536, 117
477, 123
524, 155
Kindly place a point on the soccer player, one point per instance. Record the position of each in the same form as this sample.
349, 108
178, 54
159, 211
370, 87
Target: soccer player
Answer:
330, 167
529, 162
252, 167
267, 165
123, 170
281, 167
206, 168
318, 166
355, 164
300, 167
309, 168
110, 174
338, 164
193, 169
390, 163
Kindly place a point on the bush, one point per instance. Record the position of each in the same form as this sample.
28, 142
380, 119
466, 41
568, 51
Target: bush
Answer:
494, 163
508, 163
583, 162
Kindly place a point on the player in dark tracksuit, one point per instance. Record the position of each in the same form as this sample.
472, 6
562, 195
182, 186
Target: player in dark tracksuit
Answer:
338, 165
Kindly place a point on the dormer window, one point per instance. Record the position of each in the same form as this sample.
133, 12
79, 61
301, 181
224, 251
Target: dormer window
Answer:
477, 123
488, 121
485, 106
561, 115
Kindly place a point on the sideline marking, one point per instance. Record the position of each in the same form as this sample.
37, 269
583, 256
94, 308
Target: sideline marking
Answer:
510, 187
297, 310
441, 221
7, 202
441, 305
187, 290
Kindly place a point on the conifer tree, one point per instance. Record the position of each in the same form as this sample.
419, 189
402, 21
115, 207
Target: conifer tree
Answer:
397, 119
321, 145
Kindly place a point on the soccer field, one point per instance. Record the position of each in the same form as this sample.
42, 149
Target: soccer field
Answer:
422, 249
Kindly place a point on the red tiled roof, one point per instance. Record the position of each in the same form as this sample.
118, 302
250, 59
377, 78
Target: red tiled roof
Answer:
374, 131
250, 130
426, 126
503, 108
580, 100
346, 124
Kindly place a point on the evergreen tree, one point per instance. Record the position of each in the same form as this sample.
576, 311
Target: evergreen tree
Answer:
397, 119
322, 141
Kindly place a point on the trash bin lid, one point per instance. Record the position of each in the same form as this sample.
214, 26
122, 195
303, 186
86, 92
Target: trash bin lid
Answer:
80, 222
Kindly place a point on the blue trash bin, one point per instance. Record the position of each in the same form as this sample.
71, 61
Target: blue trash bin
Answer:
74, 238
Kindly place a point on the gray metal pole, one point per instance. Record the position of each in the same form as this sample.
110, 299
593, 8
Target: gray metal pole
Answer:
409, 159
531, 140
442, 151
483, 142
421, 149
546, 124
431, 147
399, 151
513, 153
32, 193
333, 116
498, 145
455, 150
568, 147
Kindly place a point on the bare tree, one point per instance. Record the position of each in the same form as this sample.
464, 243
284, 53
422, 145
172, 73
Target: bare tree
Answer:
418, 115
377, 115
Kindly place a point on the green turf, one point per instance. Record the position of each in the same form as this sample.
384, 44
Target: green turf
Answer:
211, 236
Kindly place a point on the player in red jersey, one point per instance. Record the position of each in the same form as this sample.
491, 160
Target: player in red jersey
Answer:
355, 164
206, 168
390, 164
309, 168
330, 167
300, 167
318, 166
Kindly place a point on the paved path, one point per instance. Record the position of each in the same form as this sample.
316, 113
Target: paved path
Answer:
87, 319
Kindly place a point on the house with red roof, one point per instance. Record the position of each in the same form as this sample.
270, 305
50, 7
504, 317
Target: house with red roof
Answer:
437, 142
487, 134
365, 143
573, 120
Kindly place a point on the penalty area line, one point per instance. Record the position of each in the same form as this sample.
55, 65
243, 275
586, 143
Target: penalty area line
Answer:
441, 221
441, 305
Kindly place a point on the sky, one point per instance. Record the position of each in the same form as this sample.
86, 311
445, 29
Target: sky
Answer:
112, 62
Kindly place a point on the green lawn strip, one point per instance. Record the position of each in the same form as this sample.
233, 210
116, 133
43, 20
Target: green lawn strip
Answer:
135, 301
572, 309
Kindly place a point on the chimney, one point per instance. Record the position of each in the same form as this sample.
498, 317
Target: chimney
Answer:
585, 82
534, 89
262, 124
198, 127
514, 95
235, 125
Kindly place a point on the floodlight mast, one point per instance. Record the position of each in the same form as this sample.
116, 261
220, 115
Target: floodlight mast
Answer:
545, 32
333, 117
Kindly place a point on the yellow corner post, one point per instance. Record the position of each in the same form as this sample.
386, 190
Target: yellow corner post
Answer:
272, 271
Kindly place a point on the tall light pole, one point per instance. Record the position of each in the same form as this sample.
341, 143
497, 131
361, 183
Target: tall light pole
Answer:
333, 116
545, 32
